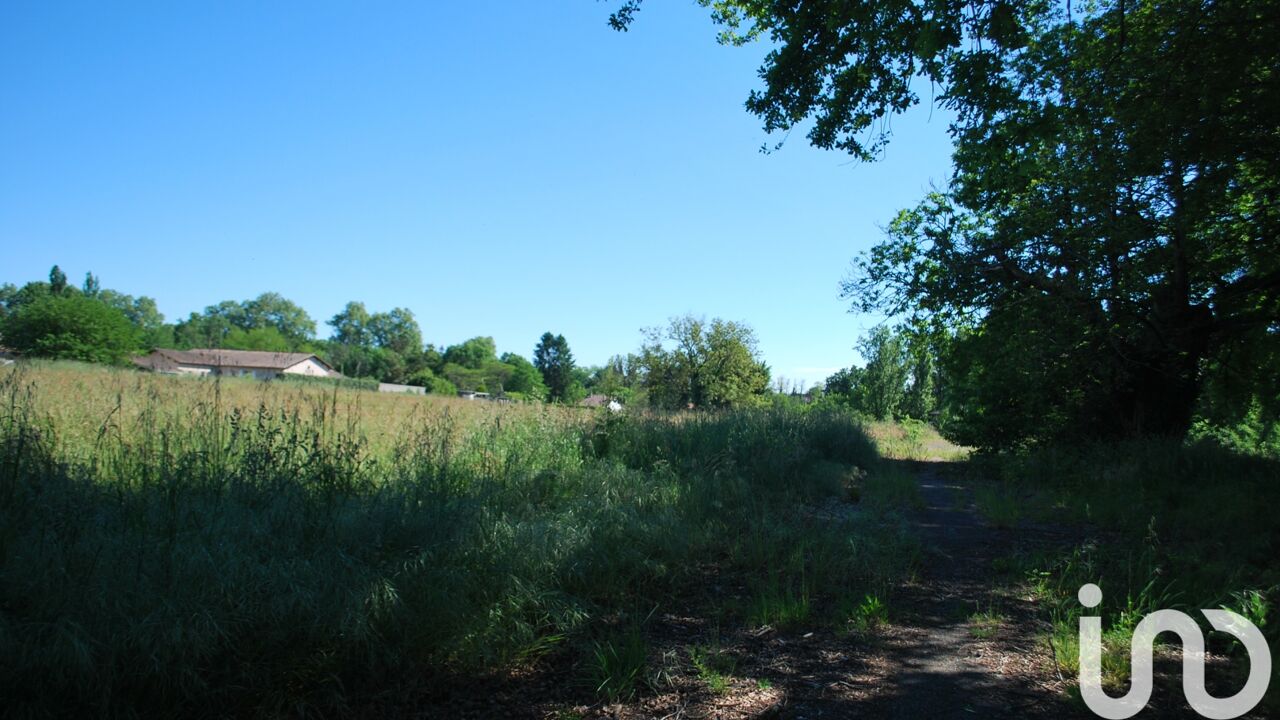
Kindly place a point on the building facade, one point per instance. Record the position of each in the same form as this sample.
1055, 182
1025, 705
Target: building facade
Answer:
234, 363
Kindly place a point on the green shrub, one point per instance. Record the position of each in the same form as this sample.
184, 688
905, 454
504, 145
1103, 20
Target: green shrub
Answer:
72, 327
351, 383
1186, 525
869, 614
617, 664
714, 666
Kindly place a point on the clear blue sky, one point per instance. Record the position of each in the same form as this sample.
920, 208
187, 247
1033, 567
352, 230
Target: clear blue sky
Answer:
500, 168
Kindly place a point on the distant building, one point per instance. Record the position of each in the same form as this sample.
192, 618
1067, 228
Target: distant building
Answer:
594, 401
7, 356
234, 363
398, 388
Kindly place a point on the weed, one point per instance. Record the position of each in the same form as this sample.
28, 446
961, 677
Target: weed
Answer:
779, 604
986, 624
617, 664
715, 667
890, 486
1252, 605
869, 614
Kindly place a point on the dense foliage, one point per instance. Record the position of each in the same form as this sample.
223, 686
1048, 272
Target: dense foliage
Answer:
72, 327
1107, 247
707, 364
267, 322
56, 320
553, 358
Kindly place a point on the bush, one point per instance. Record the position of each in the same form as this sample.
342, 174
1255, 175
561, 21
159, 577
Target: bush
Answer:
72, 327
343, 382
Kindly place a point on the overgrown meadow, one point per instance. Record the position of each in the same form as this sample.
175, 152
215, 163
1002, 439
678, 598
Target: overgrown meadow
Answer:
191, 547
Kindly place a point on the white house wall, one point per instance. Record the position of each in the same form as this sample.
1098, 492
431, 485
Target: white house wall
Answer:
192, 370
310, 366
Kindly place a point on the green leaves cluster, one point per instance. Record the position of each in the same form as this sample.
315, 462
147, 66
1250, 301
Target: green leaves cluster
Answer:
693, 363
72, 327
267, 322
900, 378
56, 320
1107, 252
386, 346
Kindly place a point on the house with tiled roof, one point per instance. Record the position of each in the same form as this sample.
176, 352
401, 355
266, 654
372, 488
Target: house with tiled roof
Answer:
598, 401
262, 365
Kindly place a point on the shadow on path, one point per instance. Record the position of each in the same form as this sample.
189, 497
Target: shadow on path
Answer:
936, 667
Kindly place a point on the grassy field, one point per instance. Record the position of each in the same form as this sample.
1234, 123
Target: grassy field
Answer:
183, 546
177, 546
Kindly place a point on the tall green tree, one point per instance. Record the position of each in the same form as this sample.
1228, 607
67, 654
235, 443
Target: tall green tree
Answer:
57, 281
384, 345
473, 353
351, 325
474, 365
842, 384
12, 298
525, 378
141, 311
397, 331
925, 345
621, 378
883, 381
92, 286
554, 360
274, 310
897, 379
8, 292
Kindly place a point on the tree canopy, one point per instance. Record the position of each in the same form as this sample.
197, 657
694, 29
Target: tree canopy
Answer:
713, 364
554, 360
1108, 241
705, 364
256, 324
71, 326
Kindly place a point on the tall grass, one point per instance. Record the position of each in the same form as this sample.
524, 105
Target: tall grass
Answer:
185, 547
1205, 513
1182, 525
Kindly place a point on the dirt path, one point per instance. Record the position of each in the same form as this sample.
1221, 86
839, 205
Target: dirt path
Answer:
926, 663
935, 665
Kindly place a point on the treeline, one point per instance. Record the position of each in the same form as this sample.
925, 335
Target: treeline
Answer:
690, 363
984, 391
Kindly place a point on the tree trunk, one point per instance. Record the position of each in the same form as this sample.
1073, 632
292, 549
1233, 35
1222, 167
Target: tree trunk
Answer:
1161, 378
